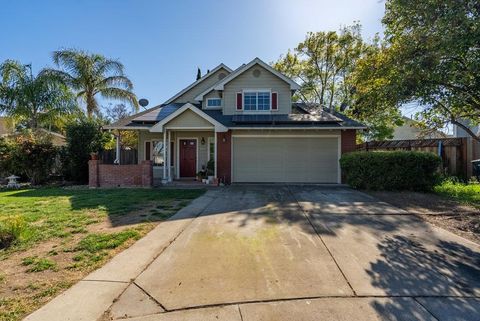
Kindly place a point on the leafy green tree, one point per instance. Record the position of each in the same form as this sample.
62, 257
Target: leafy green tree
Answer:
325, 65
83, 138
322, 65
6, 148
431, 56
368, 80
30, 155
33, 100
128, 138
90, 75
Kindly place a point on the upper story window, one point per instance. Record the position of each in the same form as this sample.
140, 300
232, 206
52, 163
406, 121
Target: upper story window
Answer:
256, 100
214, 102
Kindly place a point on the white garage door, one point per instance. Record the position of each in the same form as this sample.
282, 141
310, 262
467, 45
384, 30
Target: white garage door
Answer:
285, 159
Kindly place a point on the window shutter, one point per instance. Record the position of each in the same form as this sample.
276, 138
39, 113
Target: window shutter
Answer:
274, 101
239, 101
147, 150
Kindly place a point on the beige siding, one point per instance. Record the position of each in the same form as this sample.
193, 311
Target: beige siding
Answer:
266, 80
189, 96
212, 94
286, 159
188, 119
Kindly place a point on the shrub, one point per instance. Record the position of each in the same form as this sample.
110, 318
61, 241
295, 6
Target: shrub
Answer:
33, 156
83, 138
466, 193
399, 170
11, 230
6, 148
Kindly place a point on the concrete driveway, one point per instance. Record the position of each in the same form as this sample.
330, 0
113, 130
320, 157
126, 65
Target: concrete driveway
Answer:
283, 253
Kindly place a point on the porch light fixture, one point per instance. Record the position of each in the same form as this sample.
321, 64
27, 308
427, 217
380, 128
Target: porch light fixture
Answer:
203, 141
224, 139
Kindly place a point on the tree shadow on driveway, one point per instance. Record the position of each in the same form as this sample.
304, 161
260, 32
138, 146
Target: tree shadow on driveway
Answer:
444, 279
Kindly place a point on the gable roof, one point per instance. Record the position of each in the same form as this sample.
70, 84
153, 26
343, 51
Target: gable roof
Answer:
257, 61
197, 82
126, 123
219, 127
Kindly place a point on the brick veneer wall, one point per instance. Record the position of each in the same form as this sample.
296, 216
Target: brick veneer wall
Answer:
224, 156
103, 175
349, 143
349, 137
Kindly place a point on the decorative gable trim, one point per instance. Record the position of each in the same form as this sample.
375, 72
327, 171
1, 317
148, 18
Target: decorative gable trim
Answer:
197, 82
257, 61
158, 128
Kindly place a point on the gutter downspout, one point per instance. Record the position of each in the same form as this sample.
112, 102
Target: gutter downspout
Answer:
117, 150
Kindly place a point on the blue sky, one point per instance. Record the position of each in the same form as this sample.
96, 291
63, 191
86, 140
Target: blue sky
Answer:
161, 43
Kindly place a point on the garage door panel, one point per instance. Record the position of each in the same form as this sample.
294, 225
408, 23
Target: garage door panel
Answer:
285, 159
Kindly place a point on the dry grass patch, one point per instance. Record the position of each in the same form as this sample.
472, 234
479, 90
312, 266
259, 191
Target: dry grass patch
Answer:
452, 214
60, 235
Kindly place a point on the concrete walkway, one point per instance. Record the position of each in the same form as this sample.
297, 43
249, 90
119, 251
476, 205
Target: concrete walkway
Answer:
283, 253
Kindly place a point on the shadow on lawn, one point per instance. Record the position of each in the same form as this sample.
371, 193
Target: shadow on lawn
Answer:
123, 206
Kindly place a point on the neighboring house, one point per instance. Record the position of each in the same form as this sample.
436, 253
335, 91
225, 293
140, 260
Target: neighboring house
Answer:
246, 122
6, 130
460, 132
412, 130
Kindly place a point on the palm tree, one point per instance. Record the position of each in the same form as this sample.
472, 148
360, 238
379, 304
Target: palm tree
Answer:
91, 74
33, 100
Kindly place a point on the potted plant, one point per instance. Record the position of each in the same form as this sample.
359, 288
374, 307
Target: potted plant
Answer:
210, 170
200, 175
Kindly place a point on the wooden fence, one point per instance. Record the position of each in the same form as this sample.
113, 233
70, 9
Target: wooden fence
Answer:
453, 151
127, 156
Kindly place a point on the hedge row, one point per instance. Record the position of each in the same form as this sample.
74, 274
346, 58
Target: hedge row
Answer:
398, 170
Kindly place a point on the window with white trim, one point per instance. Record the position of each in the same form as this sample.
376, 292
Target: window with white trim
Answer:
157, 153
256, 100
214, 102
211, 148
154, 152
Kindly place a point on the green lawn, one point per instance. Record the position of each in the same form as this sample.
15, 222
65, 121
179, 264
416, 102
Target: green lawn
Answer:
465, 193
64, 233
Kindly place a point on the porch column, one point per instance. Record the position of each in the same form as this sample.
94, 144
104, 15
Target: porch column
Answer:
215, 154
169, 156
164, 178
117, 150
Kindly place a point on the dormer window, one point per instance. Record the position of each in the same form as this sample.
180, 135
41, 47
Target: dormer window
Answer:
214, 102
256, 100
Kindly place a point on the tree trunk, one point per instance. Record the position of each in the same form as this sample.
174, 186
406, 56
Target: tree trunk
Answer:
91, 105
467, 129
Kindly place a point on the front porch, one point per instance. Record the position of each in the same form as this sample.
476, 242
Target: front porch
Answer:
178, 155
183, 146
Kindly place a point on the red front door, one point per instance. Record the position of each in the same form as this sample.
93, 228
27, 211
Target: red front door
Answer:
188, 157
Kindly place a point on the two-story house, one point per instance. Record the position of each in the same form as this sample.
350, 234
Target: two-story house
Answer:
245, 121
